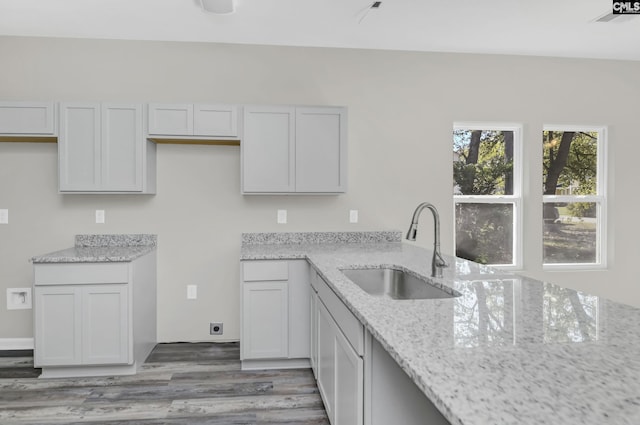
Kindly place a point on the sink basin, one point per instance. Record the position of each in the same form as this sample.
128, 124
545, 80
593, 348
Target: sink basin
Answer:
396, 284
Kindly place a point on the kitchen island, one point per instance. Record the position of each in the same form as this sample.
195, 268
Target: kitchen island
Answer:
95, 306
509, 350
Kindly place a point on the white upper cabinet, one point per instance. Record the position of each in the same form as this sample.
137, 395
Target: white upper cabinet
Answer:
294, 150
321, 150
268, 150
101, 148
27, 118
199, 120
215, 120
171, 119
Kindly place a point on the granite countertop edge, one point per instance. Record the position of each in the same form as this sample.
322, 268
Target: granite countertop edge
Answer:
101, 249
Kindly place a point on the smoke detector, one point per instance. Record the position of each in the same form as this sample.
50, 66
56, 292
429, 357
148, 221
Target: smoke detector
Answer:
218, 7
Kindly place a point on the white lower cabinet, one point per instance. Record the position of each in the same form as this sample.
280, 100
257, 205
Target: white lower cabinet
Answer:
266, 318
340, 366
359, 382
313, 332
58, 326
274, 330
326, 360
105, 324
340, 372
94, 319
349, 383
83, 324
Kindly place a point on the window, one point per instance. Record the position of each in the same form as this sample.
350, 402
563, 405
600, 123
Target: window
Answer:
487, 193
573, 197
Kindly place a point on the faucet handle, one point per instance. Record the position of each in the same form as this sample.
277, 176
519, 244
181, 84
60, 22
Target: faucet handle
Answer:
440, 261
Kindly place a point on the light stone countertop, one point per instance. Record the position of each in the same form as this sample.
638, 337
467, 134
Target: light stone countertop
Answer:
510, 350
101, 249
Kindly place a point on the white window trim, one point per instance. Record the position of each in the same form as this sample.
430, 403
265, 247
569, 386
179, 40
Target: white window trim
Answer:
600, 199
515, 199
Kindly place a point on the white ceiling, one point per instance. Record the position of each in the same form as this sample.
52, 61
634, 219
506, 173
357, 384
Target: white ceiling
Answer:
525, 27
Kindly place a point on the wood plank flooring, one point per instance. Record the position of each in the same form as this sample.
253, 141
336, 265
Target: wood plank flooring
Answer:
180, 384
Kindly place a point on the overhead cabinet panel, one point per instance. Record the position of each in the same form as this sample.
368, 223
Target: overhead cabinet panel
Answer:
215, 120
102, 149
294, 150
79, 147
321, 150
268, 149
122, 137
197, 120
171, 119
27, 118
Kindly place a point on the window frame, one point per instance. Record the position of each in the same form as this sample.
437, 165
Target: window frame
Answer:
516, 199
600, 199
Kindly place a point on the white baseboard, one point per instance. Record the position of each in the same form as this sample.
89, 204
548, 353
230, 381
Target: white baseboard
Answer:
16, 344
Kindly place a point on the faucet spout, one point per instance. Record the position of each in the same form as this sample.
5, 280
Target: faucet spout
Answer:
437, 262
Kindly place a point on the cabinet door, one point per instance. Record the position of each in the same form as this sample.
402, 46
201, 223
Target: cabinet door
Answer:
57, 319
105, 324
321, 150
265, 320
215, 120
313, 333
27, 118
79, 147
171, 119
299, 294
326, 360
349, 386
122, 145
268, 151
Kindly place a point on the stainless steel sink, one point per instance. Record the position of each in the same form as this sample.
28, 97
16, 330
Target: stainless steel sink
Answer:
396, 284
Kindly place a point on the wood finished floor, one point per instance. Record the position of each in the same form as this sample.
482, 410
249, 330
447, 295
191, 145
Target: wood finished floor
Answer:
180, 384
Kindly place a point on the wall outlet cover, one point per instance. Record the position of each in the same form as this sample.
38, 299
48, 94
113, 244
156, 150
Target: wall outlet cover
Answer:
19, 299
353, 216
282, 216
192, 292
100, 216
216, 328
4, 216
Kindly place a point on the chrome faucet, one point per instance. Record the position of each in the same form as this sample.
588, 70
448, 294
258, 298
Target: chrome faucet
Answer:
437, 263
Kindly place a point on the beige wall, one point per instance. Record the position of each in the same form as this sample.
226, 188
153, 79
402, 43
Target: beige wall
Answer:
401, 108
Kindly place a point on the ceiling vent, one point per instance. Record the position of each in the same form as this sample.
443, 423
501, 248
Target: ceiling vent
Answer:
219, 7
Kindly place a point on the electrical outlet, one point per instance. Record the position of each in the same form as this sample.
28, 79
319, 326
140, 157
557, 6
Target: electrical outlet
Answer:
353, 216
192, 292
216, 328
100, 216
282, 216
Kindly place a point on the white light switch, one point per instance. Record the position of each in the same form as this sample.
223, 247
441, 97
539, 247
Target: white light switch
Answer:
4, 216
192, 292
100, 216
282, 216
353, 216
